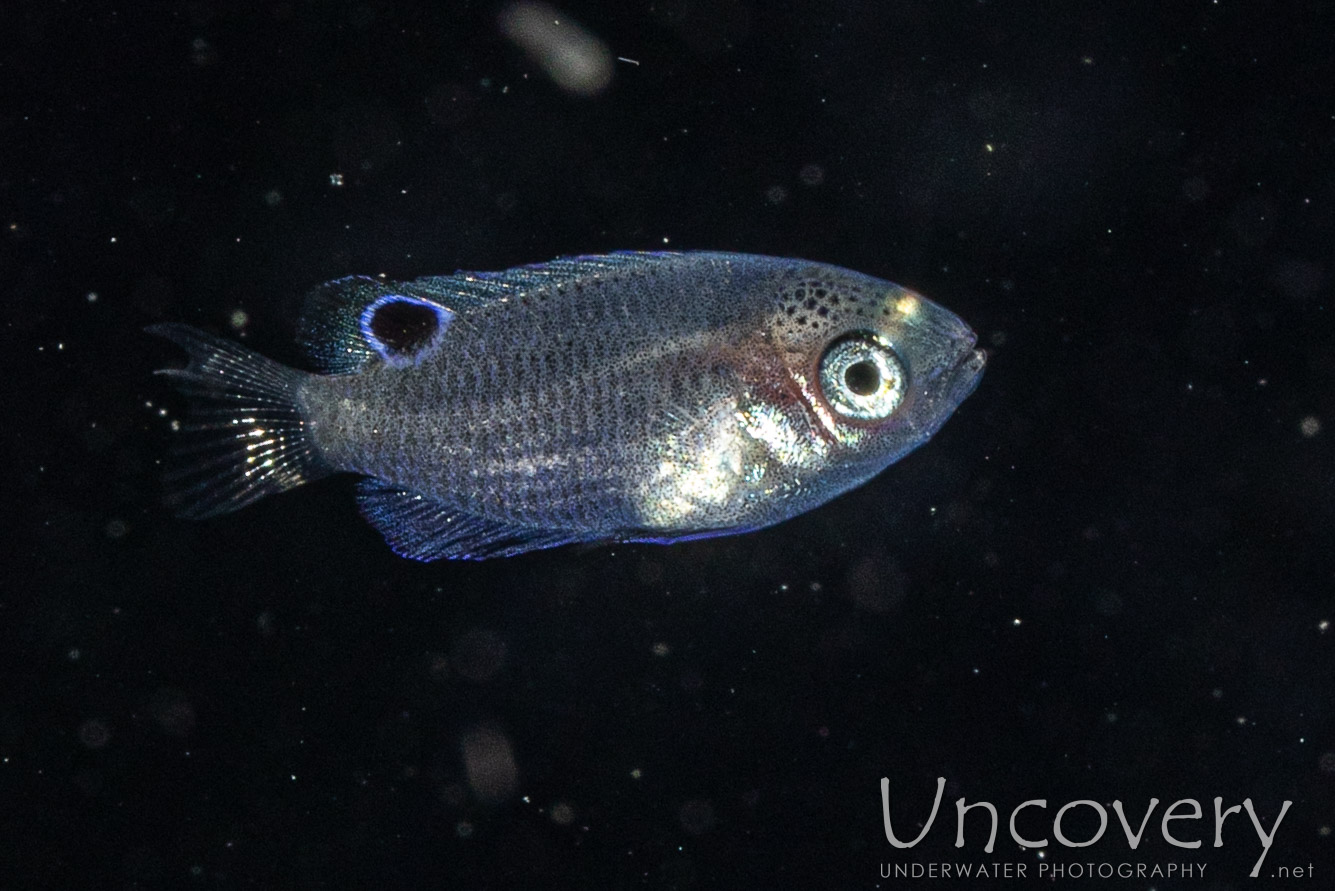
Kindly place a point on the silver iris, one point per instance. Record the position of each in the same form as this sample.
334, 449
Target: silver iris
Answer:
862, 378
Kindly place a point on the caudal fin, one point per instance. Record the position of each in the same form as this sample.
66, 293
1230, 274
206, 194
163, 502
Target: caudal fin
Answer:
245, 436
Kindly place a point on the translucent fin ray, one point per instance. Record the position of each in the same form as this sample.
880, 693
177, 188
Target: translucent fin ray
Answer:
245, 437
330, 327
473, 288
337, 326
427, 529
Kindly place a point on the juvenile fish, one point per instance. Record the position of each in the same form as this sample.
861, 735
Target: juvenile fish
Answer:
651, 397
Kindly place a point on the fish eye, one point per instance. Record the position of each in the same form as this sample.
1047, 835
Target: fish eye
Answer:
861, 377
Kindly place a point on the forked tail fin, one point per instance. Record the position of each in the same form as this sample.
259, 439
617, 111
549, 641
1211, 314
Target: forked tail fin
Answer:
245, 436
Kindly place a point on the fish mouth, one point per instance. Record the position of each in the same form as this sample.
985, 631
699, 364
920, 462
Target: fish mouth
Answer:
963, 377
960, 373
958, 378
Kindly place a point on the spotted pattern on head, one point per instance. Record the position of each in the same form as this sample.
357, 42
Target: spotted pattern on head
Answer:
813, 308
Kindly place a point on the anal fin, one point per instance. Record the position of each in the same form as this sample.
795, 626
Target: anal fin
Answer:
425, 528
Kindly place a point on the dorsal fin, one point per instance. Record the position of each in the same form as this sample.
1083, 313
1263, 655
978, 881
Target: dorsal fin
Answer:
350, 321
338, 335
475, 288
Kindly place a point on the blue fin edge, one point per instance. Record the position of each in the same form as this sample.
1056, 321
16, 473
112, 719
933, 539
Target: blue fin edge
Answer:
425, 528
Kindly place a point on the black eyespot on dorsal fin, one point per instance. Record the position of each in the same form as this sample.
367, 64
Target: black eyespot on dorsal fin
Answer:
403, 329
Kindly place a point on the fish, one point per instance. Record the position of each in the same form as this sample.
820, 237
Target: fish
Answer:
626, 397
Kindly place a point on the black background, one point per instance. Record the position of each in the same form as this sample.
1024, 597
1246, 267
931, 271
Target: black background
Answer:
1105, 578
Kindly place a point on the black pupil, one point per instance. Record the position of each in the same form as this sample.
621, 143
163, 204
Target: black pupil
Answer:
862, 378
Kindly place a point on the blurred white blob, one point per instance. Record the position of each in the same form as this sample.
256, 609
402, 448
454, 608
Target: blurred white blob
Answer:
574, 59
489, 763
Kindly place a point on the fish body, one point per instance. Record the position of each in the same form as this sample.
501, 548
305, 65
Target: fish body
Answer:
627, 397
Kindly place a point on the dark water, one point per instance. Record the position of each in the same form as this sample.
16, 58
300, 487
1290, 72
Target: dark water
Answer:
1107, 578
